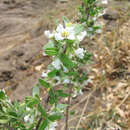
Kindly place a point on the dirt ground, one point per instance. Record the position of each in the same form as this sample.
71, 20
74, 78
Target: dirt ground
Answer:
22, 25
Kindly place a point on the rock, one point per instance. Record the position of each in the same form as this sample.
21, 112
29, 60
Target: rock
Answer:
22, 67
111, 15
18, 53
6, 2
6, 75
111, 25
63, 1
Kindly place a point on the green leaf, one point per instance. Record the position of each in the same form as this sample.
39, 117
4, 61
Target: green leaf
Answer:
43, 125
65, 19
2, 95
51, 51
55, 117
13, 114
42, 110
62, 94
52, 97
36, 91
31, 101
44, 83
52, 73
48, 45
72, 112
62, 106
3, 120
78, 28
86, 2
66, 61
72, 73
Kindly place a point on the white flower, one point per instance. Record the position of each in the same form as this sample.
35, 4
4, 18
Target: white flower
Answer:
70, 55
66, 81
64, 33
82, 35
52, 126
44, 74
94, 18
59, 28
44, 54
65, 69
99, 31
48, 34
29, 119
90, 29
104, 1
26, 118
28, 109
57, 64
58, 37
80, 53
3, 90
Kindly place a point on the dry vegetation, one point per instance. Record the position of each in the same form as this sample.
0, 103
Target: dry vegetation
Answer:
106, 104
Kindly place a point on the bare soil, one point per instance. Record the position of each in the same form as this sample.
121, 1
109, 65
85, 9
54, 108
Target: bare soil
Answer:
22, 25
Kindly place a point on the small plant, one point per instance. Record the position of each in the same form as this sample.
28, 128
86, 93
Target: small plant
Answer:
89, 12
64, 77
68, 56
105, 120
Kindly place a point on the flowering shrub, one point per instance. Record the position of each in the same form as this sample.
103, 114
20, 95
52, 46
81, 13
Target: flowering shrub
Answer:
89, 12
63, 74
67, 55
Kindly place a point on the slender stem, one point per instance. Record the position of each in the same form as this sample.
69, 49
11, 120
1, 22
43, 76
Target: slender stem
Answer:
67, 109
38, 124
41, 118
9, 128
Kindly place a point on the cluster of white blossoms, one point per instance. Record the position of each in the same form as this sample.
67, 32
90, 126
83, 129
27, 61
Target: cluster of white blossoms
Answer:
52, 126
80, 53
29, 118
57, 64
62, 34
65, 32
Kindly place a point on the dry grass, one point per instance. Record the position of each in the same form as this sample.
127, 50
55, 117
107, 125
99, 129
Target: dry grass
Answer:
107, 106
111, 75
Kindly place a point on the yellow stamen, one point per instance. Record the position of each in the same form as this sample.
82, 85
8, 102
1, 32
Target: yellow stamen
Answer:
65, 34
69, 24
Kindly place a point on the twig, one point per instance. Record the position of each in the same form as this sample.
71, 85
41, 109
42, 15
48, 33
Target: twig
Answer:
38, 124
85, 108
75, 118
41, 118
124, 100
67, 109
83, 112
79, 102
